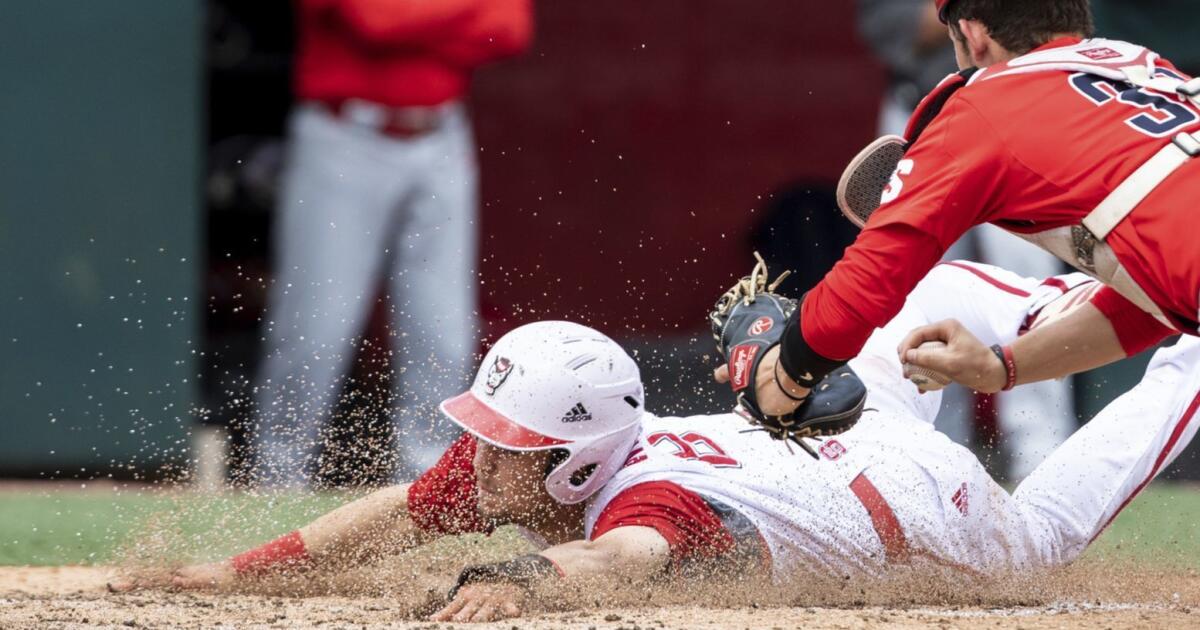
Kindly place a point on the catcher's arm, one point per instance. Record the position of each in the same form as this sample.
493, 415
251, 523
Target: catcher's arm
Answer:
501, 590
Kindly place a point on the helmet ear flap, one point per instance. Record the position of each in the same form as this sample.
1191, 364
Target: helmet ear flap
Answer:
589, 468
582, 474
579, 476
557, 458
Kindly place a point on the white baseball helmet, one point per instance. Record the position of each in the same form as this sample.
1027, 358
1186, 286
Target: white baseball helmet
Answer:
557, 385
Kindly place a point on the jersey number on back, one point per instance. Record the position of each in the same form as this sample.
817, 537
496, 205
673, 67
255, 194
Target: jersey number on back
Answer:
1165, 116
690, 446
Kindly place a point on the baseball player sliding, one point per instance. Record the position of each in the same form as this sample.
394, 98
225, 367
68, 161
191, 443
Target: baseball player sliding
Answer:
558, 442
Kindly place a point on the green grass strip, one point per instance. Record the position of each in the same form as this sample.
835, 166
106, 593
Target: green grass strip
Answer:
56, 527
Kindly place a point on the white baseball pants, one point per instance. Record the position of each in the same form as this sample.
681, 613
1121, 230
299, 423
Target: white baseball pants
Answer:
965, 519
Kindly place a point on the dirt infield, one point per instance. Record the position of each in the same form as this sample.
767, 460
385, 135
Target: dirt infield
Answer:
76, 597
1126, 590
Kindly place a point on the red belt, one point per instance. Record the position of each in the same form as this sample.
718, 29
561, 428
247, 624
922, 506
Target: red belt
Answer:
398, 122
887, 527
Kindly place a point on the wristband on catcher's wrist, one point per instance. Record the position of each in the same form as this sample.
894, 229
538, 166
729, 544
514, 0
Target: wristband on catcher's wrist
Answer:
799, 361
523, 571
1005, 354
784, 388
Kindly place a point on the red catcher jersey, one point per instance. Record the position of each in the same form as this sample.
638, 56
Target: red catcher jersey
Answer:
1028, 152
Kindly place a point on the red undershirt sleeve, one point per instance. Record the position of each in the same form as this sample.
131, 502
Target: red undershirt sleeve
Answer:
681, 516
1136, 329
443, 500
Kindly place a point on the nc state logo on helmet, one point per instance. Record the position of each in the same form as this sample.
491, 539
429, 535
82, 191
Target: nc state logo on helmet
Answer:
497, 374
557, 385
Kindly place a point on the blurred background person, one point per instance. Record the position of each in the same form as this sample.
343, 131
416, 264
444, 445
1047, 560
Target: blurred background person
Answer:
911, 43
909, 40
379, 196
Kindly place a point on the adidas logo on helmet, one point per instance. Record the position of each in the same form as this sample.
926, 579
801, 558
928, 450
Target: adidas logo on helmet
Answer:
578, 413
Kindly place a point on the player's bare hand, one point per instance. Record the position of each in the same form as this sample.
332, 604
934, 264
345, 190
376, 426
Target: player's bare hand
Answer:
199, 576
771, 398
139, 581
483, 602
213, 575
964, 359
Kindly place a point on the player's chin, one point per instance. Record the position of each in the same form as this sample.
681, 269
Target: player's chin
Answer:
490, 506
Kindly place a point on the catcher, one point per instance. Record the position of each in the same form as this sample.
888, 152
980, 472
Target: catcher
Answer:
558, 442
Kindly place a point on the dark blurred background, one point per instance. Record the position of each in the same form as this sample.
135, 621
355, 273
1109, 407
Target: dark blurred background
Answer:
630, 162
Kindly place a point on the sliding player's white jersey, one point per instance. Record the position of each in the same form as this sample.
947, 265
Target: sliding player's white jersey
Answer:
893, 489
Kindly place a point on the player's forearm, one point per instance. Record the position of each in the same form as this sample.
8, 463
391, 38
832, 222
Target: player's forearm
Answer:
1081, 341
486, 592
625, 553
373, 525
377, 523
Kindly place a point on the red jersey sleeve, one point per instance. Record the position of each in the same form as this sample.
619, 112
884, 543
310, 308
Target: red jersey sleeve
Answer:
442, 501
1136, 329
943, 187
681, 516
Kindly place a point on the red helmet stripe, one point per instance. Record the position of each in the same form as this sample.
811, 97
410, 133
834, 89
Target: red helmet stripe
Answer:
492, 426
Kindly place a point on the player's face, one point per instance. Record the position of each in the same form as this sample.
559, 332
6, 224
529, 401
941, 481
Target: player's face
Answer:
511, 484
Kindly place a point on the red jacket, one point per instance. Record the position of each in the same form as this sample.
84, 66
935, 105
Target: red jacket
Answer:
403, 52
1027, 152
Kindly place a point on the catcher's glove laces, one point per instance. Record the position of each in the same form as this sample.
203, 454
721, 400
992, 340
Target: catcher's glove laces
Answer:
746, 290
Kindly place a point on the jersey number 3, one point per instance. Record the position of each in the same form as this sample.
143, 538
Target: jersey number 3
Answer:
1164, 115
690, 446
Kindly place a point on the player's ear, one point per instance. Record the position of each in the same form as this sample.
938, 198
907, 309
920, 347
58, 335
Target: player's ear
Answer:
976, 40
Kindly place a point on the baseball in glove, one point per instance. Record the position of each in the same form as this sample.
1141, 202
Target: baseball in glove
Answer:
747, 321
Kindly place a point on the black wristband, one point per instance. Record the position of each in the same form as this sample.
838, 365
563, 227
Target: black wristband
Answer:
783, 388
522, 571
801, 363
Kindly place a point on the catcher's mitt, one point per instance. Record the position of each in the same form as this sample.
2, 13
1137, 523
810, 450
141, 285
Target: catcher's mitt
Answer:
747, 321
